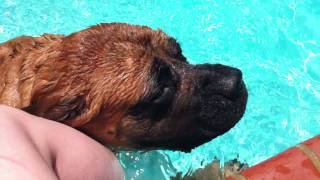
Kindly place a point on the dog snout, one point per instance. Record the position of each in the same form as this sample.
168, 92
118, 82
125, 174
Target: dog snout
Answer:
220, 80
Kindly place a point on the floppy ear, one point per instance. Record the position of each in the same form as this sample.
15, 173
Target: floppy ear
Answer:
62, 111
92, 109
74, 112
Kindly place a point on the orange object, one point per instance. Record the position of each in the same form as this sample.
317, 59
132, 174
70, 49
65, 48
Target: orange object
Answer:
301, 162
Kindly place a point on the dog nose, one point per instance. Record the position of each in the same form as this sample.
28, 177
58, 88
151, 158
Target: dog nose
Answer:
220, 79
230, 84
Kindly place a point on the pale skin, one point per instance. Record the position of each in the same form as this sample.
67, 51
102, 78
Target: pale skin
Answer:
33, 148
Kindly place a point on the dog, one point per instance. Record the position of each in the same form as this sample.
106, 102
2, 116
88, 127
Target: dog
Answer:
124, 85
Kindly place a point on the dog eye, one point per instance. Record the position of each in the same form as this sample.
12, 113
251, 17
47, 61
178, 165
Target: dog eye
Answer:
157, 102
164, 83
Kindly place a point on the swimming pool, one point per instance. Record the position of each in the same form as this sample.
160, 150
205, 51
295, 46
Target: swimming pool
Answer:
275, 43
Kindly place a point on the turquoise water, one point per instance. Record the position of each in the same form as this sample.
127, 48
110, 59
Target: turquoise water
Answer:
275, 43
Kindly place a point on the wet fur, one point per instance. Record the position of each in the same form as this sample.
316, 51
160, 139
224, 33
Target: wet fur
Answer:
65, 79
121, 84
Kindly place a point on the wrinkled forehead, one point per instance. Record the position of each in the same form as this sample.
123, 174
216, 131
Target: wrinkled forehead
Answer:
143, 36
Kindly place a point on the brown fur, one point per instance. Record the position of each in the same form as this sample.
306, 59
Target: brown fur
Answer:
51, 74
92, 79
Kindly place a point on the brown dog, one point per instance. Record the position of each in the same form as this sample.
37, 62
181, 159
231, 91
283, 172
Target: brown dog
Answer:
124, 85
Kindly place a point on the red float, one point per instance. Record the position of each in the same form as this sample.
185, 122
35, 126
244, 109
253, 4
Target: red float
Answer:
301, 162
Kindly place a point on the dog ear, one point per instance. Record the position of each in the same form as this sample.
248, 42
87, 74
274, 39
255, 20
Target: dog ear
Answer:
67, 109
62, 111
74, 112
90, 111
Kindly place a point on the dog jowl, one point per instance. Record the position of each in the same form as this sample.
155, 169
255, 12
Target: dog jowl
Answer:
124, 85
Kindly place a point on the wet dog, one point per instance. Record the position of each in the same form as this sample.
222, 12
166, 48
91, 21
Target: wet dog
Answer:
123, 85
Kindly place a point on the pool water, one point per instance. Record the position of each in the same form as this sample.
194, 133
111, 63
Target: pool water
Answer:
275, 43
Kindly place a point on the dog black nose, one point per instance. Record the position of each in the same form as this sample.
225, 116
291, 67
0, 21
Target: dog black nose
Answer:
221, 80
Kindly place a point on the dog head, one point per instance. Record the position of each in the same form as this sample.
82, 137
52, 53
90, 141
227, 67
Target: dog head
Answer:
131, 86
